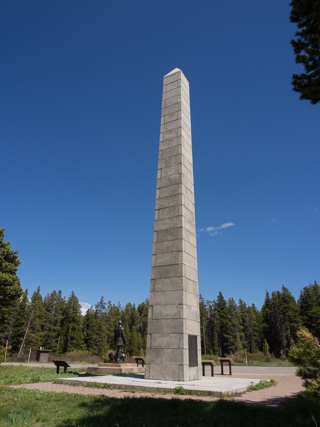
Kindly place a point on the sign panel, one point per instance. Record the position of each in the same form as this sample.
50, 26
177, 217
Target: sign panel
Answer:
193, 350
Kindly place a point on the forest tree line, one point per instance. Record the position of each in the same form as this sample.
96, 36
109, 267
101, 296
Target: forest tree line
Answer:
228, 327
56, 323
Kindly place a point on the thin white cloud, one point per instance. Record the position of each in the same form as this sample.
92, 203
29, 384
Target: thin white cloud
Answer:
213, 231
275, 220
227, 224
84, 307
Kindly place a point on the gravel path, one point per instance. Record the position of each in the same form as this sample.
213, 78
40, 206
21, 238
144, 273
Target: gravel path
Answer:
288, 386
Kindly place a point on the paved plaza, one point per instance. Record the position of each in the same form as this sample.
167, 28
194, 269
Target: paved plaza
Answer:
218, 384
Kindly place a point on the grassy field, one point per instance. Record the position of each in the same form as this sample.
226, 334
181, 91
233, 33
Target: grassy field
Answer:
21, 407
10, 375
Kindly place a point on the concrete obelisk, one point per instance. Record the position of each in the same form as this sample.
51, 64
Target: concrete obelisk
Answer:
173, 340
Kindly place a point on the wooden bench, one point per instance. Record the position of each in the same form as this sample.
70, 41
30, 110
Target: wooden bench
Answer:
210, 363
61, 363
228, 360
140, 359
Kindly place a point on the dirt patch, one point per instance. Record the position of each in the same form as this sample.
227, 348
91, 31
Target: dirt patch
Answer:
288, 386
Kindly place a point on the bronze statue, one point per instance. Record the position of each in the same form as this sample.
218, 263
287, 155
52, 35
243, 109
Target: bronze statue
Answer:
119, 341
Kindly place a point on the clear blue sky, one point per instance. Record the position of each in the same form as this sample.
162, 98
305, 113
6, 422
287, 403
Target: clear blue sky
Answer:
80, 105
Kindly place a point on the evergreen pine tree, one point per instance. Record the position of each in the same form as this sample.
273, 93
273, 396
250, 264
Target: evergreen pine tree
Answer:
203, 325
279, 325
250, 326
281, 320
306, 13
235, 336
131, 321
100, 327
224, 324
7, 319
20, 322
72, 332
213, 328
291, 317
309, 302
256, 326
58, 317
142, 325
90, 330
49, 327
10, 289
35, 335
267, 318
53, 306
306, 356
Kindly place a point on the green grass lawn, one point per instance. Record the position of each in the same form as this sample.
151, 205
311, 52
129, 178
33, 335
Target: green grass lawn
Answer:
10, 375
21, 407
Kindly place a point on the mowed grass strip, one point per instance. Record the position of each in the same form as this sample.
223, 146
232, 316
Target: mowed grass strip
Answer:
21, 407
11, 375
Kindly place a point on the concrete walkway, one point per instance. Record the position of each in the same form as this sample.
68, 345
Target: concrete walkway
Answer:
220, 384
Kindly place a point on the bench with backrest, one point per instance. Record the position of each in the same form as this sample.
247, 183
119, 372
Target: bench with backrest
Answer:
210, 363
228, 360
61, 363
139, 359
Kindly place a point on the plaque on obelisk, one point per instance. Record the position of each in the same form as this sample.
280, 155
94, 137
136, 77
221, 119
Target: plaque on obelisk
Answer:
173, 341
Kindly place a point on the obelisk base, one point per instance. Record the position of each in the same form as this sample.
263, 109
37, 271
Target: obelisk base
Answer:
115, 368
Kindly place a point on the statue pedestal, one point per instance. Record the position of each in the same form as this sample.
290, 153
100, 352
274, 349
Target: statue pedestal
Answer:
115, 368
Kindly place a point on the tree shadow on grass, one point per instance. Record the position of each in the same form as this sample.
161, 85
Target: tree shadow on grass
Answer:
103, 411
271, 402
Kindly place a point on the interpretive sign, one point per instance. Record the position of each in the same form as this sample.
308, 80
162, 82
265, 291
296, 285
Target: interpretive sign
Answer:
193, 351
